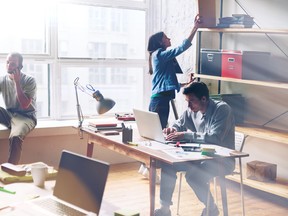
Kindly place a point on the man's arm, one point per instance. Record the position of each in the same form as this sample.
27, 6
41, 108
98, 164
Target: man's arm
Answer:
219, 127
23, 100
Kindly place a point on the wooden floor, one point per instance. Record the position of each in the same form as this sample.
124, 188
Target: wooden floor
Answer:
127, 189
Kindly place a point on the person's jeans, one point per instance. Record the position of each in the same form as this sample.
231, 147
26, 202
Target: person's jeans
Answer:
20, 126
198, 176
161, 106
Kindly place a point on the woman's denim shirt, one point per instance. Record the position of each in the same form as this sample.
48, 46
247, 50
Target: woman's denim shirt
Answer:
164, 73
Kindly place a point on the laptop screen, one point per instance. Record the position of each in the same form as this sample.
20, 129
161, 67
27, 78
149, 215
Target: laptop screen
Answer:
149, 125
81, 181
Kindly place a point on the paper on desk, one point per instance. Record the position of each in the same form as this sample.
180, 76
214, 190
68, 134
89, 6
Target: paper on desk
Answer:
154, 145
181, 154
223, 151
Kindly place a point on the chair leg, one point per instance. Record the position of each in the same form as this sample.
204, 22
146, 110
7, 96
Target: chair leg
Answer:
215, 190
241, 187
179, 192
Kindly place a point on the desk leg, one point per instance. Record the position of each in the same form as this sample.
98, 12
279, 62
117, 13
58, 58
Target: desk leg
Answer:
152, 183
89, 151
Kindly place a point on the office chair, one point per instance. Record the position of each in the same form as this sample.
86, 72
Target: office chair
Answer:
239, 144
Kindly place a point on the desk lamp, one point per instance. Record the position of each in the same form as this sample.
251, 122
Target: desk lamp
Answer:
103, 105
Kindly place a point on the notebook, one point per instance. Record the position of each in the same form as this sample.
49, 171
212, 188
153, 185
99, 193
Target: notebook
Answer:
80, 185
149, 126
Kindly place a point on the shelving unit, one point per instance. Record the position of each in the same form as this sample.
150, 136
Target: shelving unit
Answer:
280, 186
252, 82
244, 30
264, 133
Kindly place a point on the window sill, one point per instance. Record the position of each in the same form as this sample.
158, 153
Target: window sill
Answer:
47, 128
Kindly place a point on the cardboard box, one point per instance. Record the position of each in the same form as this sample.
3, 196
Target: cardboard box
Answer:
261, 171
207, 12
232, 64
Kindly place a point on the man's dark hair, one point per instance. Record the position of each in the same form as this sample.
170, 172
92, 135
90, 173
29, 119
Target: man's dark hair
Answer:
199, 89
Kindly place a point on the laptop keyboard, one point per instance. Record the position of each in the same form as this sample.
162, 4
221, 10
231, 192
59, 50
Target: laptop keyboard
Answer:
57, 207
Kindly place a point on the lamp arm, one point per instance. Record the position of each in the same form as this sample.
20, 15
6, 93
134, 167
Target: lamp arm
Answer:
78, 107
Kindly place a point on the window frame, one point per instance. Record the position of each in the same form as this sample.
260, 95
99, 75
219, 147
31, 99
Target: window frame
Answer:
55, 63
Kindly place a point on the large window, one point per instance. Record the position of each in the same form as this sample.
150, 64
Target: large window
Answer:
101, 32
102, 44
24, 26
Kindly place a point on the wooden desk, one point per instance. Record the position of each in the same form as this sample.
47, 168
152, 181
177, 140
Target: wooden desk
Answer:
146, 155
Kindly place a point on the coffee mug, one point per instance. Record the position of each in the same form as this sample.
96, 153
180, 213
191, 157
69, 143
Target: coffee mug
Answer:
39, 173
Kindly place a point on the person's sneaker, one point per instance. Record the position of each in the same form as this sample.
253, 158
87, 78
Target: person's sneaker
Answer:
213, 211
145, 173
141, 169
162, 212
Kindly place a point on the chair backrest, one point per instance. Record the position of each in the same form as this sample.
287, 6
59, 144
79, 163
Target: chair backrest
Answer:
239, 141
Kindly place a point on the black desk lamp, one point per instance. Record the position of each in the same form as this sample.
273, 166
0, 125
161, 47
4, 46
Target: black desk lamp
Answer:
103, 105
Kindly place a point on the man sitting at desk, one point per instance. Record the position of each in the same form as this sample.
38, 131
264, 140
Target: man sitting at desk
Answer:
204, 121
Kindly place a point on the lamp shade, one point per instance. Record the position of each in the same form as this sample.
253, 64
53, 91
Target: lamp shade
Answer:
104, 104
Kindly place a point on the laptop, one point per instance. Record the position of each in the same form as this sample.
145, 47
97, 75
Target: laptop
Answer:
79, 188
149, 126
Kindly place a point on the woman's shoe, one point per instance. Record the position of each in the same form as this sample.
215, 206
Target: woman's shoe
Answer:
162, 212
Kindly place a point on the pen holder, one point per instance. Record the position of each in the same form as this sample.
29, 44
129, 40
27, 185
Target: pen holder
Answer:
127, 134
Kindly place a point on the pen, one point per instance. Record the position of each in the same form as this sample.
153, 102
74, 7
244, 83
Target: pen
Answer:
7, 191
132, 143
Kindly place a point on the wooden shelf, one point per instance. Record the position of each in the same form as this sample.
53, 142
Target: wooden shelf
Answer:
279, 187
252, 82
244, 30
264, 133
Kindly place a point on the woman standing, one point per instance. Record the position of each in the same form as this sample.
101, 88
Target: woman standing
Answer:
163, 67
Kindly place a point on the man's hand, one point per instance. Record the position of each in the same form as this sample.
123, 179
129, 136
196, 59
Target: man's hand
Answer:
16, 75
167, 131
175, 136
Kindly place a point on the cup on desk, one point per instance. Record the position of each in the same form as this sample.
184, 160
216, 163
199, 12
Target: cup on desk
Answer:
39, 173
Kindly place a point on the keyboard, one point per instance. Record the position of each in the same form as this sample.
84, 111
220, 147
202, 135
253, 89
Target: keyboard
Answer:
57, 208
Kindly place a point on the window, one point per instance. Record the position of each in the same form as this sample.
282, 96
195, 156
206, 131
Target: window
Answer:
93, 31
102, 44
124, 85
25, 26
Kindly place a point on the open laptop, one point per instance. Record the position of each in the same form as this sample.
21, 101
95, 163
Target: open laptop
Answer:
149, 126
79, 186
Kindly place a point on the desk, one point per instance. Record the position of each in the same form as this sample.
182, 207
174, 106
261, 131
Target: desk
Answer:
146, 155
24, 191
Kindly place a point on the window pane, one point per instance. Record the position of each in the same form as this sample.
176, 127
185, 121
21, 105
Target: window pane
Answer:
24, 26
124, 85
100, 32
41, 73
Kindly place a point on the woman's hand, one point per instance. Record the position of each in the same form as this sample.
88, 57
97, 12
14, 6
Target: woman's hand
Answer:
197, 21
